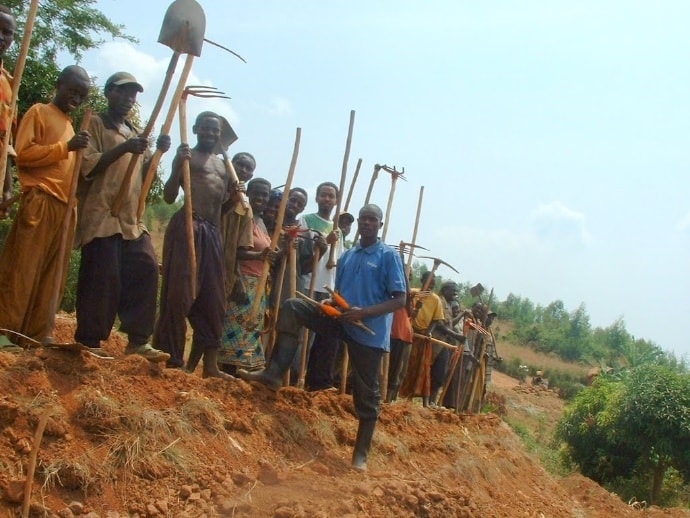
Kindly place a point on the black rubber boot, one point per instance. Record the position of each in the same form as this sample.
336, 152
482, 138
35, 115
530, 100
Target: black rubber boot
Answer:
281, 359
365, 433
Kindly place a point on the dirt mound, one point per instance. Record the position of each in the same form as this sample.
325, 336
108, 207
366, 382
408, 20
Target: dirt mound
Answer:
128, 438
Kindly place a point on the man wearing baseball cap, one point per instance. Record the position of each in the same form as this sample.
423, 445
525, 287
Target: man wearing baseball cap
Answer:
118, 275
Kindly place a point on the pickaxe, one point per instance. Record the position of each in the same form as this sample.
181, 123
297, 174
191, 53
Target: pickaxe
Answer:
374, 177
437, 262
403, 246
395, 174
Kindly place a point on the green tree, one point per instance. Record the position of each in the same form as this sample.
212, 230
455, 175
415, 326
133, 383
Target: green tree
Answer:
634, 426
74, 26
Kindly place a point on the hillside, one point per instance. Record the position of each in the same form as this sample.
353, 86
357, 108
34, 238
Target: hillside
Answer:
126, 438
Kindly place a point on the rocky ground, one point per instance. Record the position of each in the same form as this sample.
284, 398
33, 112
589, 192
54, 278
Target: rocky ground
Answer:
127, 438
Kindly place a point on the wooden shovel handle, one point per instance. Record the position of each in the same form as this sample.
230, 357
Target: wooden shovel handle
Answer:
188, 206
155, 160
134, 159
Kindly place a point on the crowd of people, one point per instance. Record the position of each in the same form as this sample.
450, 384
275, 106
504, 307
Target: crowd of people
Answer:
315, 324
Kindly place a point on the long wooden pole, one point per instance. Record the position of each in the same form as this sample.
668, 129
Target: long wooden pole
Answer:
66, 224
352, 185
188, 205
274, 318
134, 159
408, 267
33, 457
385, 364
343, 174
374, 177
305, 337
261, 286
165, 129
292, 272
384, 232
16, 82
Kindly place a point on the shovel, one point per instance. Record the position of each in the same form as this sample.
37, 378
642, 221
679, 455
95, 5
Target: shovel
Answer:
184, 25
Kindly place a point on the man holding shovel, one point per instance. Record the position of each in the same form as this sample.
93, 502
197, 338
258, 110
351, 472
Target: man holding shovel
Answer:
29, 269
118, 275
205, 308
370, 277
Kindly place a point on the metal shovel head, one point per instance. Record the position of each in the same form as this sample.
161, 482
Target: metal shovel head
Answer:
477, 289
184, 26
227, 136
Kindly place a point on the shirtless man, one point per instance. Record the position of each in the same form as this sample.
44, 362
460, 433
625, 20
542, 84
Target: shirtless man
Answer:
206, 308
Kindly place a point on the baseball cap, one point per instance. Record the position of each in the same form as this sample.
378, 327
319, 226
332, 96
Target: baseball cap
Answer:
346, 216
122, 78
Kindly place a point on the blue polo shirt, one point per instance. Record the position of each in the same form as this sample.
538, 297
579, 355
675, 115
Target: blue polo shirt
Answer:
368, 276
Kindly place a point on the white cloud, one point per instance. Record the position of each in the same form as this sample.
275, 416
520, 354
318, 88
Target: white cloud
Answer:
556, 222
150, 72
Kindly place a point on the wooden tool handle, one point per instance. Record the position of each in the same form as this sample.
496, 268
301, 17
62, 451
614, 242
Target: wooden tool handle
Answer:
261, 286
134, 159
155, 160
188, 205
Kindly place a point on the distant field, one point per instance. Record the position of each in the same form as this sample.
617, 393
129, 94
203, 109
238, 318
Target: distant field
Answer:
508, 350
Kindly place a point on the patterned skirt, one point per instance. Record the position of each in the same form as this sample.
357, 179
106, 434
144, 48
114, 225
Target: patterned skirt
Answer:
241, 342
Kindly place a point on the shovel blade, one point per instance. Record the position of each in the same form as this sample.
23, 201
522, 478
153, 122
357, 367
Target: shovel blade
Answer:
477, 289
184, 26
227, 136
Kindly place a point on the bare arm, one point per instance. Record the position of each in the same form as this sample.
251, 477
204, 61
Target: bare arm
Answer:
387, 306
172, 186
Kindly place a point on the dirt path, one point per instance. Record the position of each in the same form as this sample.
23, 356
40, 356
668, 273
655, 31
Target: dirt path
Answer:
129, 439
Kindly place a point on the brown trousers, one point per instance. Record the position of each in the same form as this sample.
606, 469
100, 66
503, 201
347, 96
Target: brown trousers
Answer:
29, 269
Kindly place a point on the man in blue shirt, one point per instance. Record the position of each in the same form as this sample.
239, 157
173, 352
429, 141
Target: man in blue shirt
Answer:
371, 278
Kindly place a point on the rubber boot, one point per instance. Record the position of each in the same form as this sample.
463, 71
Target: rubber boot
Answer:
281, 359
211, 369
365, 433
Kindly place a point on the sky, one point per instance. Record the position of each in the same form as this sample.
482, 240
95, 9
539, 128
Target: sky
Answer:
551, 138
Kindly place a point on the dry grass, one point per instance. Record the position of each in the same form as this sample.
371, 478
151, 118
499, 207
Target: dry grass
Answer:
85, 473
203, 412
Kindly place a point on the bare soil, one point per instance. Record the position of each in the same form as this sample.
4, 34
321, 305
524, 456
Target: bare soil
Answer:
128, 438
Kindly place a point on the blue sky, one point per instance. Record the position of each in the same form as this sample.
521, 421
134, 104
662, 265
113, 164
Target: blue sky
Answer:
551, 138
